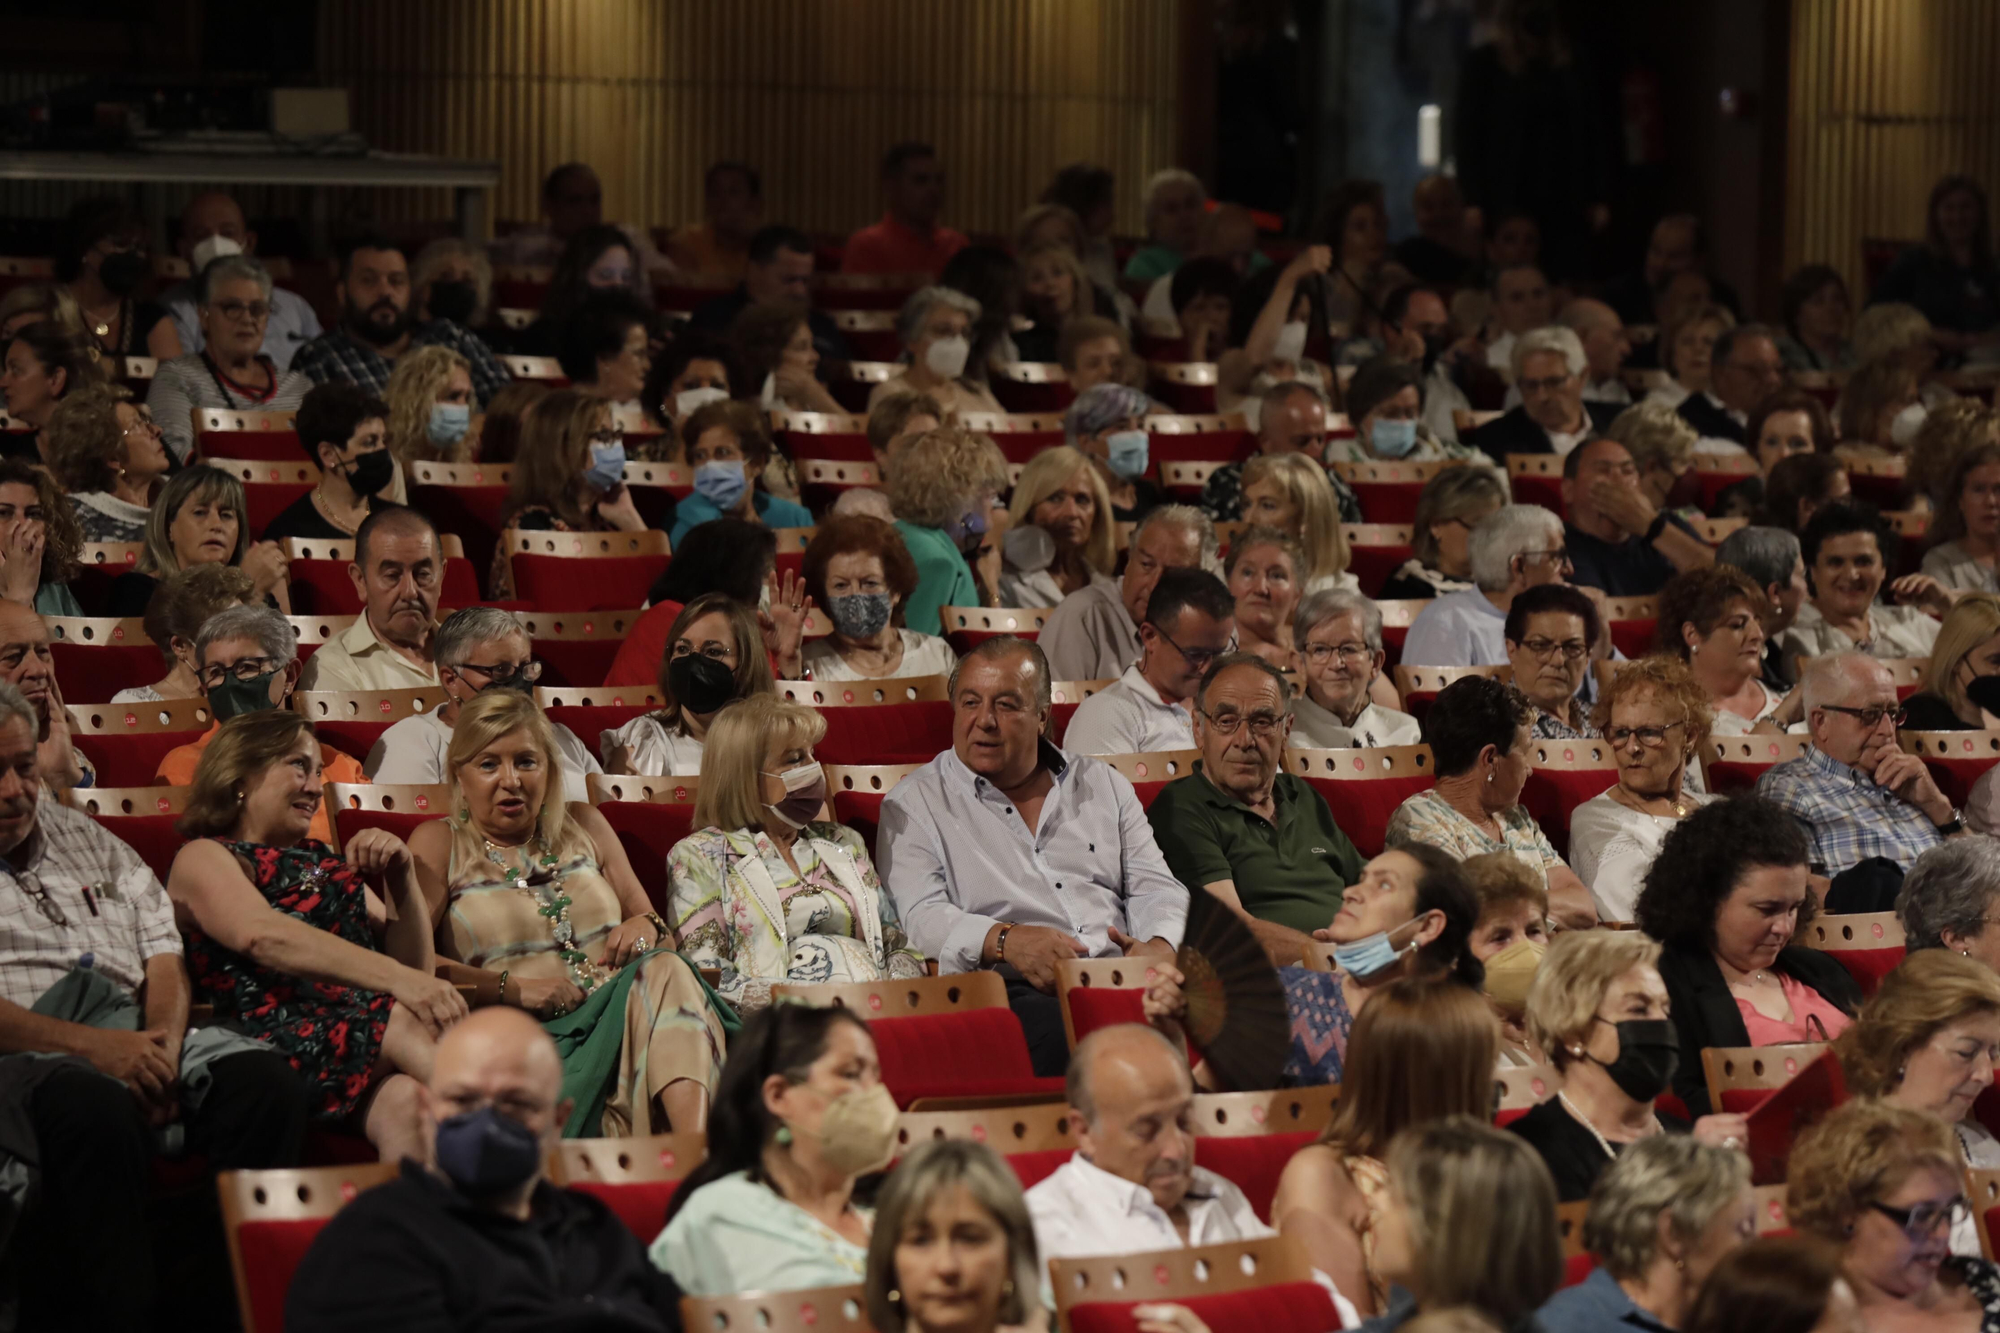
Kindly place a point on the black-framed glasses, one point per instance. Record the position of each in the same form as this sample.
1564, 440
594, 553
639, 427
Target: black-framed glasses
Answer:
38, 893
1560, 555
1570, 649
239, 309
1319, 653
529, 671
1871, 718
242, 669
1650, 737
1201, 659
1921, 1220
1261, 725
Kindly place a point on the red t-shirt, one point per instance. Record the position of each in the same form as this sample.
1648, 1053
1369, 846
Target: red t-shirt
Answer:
891, 247
638, 660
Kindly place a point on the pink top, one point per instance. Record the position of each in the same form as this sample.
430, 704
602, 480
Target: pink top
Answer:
1814, 1017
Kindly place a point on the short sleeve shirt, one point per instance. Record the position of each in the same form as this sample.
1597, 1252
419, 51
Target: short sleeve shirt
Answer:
1290, 871
1427, 818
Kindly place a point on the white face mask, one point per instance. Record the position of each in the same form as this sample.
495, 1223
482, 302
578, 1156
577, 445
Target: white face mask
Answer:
1903, 430
1291, 343
689, 401
946, 357
211, 248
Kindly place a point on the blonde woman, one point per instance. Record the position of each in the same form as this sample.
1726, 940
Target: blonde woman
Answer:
1663, 446
532, 903
569, 476
1687, 350
1448, 509
766, 891
1963, 668
430, 412
1060, 531
1898, 333
1264, 571
1055, 289
945, 490
1290, 492
199, 520
1878, 412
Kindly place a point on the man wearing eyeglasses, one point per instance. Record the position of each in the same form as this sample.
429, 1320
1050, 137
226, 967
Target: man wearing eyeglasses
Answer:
1553, 417
247, 660
1617, 540
478, 649
1190, 621
213, 227
1855, 792
1241, 828
96, 1060
398, 572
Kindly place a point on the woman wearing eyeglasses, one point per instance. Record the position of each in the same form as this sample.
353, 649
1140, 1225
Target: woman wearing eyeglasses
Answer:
1713, 620
107, 453
1654, 716
231, 370
1339, 634
1548, 633
1882, 1182
479, 649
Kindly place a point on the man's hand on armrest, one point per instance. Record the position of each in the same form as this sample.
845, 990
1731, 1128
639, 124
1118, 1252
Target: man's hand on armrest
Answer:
1033, 951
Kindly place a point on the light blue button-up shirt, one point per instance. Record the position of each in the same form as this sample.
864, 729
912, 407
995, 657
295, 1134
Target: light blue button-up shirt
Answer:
1459, 629
959, 859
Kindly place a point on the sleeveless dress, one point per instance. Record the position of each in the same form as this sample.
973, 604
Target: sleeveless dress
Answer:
331, 1032
668, 1028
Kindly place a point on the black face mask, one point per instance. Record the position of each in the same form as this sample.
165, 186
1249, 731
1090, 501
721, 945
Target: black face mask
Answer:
1649, 1054
371, 472
1984, 691
122, 271
701, 684
453, 301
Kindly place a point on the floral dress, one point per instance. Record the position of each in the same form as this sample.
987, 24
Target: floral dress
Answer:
331, 1032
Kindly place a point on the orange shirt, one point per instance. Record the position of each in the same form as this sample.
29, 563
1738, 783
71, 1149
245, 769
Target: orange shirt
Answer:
891, 247
177, 770
698, 250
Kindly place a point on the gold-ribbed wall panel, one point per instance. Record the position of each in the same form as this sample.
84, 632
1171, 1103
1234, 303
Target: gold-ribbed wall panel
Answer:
1886, 96
810, 91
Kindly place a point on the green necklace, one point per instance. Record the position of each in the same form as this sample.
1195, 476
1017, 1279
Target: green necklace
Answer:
551, 903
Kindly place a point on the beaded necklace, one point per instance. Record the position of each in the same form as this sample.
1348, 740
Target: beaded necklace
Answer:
552, 903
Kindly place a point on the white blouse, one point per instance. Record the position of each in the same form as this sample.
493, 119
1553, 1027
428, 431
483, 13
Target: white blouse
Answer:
1727, 723
655, 751
1612, 846
923, 655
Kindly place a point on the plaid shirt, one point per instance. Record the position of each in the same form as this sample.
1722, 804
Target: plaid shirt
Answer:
335, 356
74, 889
1846, 817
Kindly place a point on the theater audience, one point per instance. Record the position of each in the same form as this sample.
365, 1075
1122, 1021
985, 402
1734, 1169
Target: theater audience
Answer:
1521, 304
363, 1031
1553, 418
43, 362
103, 259
451, 278
732, 211
908, 239
1510, 550
229, 367
1967, 653
1618, 539
604, 351
1509, 938
1174, 203
1606, 346
1055, 290
1786, 423
1854, 793
954, 1248
1883, 1182
479, 651
344, 431
213, 227
774, 347
1264, 569
1687, 350
1094, 633
534, 904
1088, 881
894, 422
483, 1236
34, 302
1880, 411
1713, 619
398, 573
1966, 525
724, 555
1340, 655
500, 426
691, 373
800, 1114
1189, 625
1817, 318
598, 261
1291, 493
1197, 296
779, 263
1663, 448
728, 448
1951, 277
1598, 1012
1468, 1219
935, 327
1481, 738
99, 1055
859, 570
1449, 507
1777, 1284
1654, 717
246, 658
1846, 568
1549, 631
764, 890
944, 490
1724, 898
1745, 369
569, 476
179, 607
572, 198
1385, 406
1060, 534
1106, 424
1799, 487
107, 455
1663, 1215
1946, 897
27, 664
1089, 192
377, 326
1291, 419
1268, 324
715, 653
1094, 351
198, 519
1770, 557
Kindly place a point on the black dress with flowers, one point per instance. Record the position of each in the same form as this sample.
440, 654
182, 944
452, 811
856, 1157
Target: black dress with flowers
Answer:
331, 1033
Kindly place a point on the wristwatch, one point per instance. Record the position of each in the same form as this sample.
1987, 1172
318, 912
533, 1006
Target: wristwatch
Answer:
1953, 826
1659, 526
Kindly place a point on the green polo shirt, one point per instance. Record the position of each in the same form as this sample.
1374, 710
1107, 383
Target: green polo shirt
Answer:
1291, 872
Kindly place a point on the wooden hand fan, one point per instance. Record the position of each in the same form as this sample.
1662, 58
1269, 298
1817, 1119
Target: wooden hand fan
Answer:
1236, 1013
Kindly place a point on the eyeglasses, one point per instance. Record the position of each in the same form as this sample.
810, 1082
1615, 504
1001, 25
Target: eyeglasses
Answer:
1261, 724
1547, 648
31, 884
530, 671
1871, 718
145, 425
1198, 658
1650, 737
1318, 653
1549, 385
242, 669
256, 310
1558, 556
1924, 1219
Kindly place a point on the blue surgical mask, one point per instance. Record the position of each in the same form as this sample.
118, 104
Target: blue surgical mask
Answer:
1128, 453
1365, 957
449, 423
1392, 439
720, 482
607, 466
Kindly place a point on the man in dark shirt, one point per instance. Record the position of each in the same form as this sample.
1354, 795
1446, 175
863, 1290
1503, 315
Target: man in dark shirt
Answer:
1746, 369
483, 1242
1617, 541
779, 263
344, 430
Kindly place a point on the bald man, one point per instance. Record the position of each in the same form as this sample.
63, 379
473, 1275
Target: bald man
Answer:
482, 1241
398, 571
212, 225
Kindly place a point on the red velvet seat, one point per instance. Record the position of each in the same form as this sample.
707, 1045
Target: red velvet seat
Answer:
1634, 638
640, 1204
473, 512
862, 812
1094, 1007
1286, 1307
131, 760
1373, 566
1362, 805
591, 721
154, 837
1253, 1163
1551, 794
648, 830
898, 733
974, 1053
601, 583
1032, 1168
575, 663
92, 672
1578, 1267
